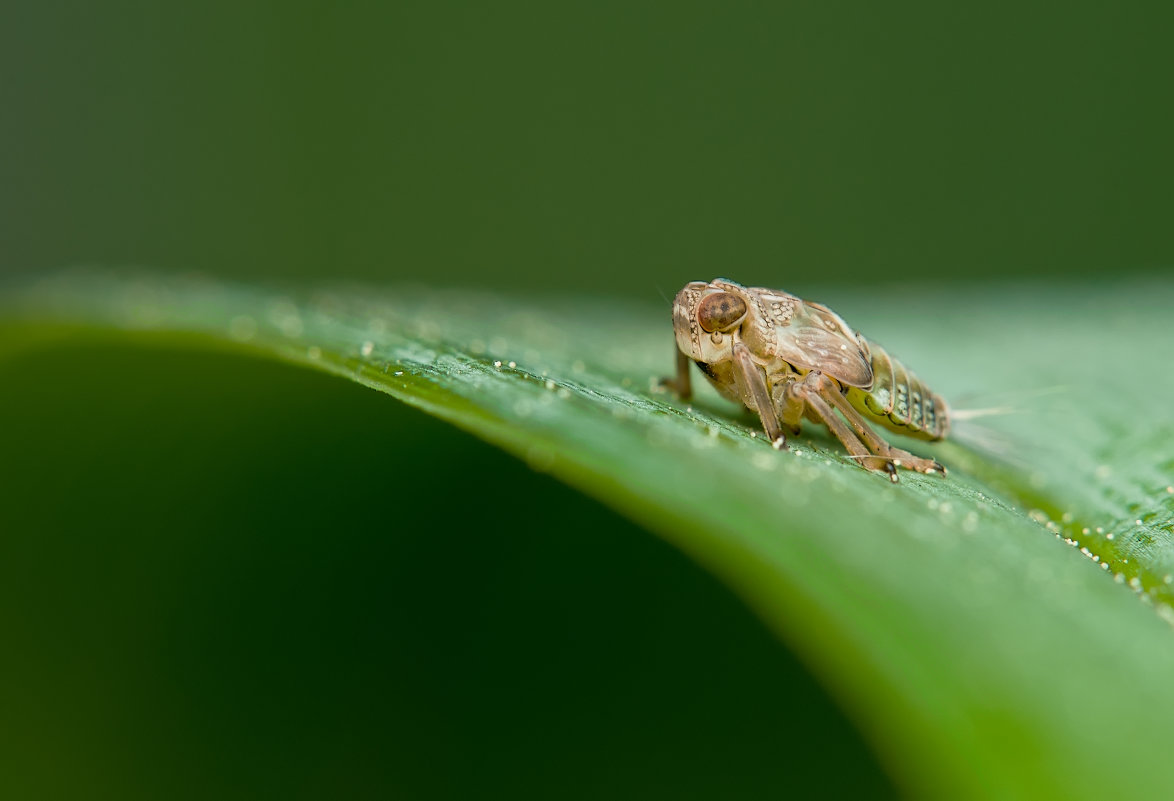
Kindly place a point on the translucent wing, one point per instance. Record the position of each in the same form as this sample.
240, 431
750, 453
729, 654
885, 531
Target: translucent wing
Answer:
813, 337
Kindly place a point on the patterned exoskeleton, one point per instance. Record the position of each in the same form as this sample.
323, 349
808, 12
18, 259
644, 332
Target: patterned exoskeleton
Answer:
786, 358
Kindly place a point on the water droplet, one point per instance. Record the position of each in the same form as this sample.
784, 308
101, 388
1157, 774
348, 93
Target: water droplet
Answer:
513, 365
550, 384
497, 363
398, 372
763, 461
367, 349
291, 326
242, 328
1108, 536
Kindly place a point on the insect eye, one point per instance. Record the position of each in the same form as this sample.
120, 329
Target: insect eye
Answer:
720, 311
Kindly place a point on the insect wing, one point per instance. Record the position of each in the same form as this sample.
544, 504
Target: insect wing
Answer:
816, 338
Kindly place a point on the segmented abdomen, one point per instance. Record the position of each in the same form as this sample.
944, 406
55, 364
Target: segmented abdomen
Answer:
900, 401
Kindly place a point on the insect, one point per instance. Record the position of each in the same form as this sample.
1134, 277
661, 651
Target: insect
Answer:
786, 358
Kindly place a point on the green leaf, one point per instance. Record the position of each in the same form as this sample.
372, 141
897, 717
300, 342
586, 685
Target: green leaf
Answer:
1000, 633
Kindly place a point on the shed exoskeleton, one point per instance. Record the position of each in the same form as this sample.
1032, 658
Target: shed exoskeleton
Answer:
785, 358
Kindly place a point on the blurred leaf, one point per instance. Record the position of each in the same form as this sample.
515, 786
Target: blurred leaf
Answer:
1004, 632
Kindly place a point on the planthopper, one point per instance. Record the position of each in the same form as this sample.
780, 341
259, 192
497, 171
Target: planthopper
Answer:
786, 358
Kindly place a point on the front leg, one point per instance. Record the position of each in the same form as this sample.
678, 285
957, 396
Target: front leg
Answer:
681, 385
752, 385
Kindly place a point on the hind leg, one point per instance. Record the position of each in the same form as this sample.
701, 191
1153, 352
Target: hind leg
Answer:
896, 456
807, 394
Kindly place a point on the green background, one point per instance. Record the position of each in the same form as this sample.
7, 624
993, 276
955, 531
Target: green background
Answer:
225, 578
616, 147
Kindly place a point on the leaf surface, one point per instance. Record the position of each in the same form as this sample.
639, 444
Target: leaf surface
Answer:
1003, 632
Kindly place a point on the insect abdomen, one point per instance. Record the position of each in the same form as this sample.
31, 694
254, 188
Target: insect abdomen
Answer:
900, 401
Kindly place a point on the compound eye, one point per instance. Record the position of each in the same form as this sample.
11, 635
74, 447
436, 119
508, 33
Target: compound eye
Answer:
720, 311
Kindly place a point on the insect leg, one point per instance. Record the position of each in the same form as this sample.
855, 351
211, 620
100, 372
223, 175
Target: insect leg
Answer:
788, 405
752, 384
681, 384
810, 390
829, 392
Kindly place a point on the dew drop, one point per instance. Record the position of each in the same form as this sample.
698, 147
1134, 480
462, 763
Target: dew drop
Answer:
242, 328
763, 461
367, 349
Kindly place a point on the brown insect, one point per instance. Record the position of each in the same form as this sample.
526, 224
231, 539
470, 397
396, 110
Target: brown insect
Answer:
786, 358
